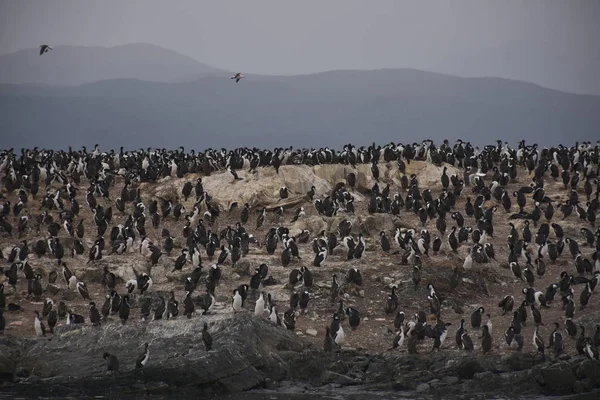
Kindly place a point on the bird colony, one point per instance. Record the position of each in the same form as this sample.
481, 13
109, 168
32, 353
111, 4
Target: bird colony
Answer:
501, 251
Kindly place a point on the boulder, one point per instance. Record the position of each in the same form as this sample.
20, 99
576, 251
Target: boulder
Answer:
339, 379
591, 370
260, 188
7, 367
372, 224
468, 368
244, 353
314, 223
555, 379
244, 267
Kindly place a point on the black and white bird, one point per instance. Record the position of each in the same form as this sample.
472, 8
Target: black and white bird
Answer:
142, 358
237, 77
353, 317
40, 329
181, 260
233, 173
94, 314
538, 342
259, 307
299, 213
336, 330
237, 301
476, 318
273, 316
44, 48
289, 319
206, 337
112, 362
208, 301
188, 304
124, 309
590, 350
83, 291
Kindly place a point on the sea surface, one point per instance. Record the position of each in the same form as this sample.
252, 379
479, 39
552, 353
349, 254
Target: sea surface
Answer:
332, 394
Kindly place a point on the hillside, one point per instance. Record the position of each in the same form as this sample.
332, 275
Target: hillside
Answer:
480, 285
76, 65
327, 109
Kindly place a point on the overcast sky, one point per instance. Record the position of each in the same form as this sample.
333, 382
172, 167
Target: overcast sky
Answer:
555, 43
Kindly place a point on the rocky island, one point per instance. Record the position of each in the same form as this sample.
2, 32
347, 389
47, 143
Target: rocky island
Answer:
377, 252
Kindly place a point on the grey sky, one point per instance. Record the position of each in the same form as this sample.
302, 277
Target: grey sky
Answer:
550, 42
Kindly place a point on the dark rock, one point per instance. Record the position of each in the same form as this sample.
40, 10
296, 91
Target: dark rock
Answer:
7, 368
422, 387
518, 361
590, 369
343, 380
93, 273
339, 367
468, 368
582, 386
556, 379
308, 366
379, 371
68, 295
250, 353
371, 225
243, 355
482, 375
242, 267
450, 380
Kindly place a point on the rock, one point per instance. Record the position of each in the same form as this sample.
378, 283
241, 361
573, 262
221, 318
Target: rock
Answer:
314, 223
7, 368
482, 375
311, 332
387, 280
468, 368
68, 295
450, 380
518, 361
123, 268
166, 190
556, 379
590, 370
244, 353
343, 380
422, 387
243, 267
372, 224
9, 290
255, 189
582, 386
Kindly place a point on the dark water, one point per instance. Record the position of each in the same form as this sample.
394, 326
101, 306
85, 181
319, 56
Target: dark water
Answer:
304, 393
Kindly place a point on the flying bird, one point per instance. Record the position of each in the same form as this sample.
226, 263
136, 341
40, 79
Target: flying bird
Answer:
45, 48
237, 77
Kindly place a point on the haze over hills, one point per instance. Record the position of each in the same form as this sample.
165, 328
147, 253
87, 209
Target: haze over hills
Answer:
75, 65
315, 110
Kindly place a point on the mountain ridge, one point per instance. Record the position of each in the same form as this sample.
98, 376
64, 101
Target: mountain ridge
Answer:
75, 65
323, 109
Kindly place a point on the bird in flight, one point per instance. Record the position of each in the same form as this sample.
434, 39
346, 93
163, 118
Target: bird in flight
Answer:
45, 48
237, 77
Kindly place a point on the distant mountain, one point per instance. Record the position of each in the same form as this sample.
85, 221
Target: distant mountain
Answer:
325, 109
75, 65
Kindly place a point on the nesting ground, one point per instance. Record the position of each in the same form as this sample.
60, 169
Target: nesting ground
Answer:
379, 270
